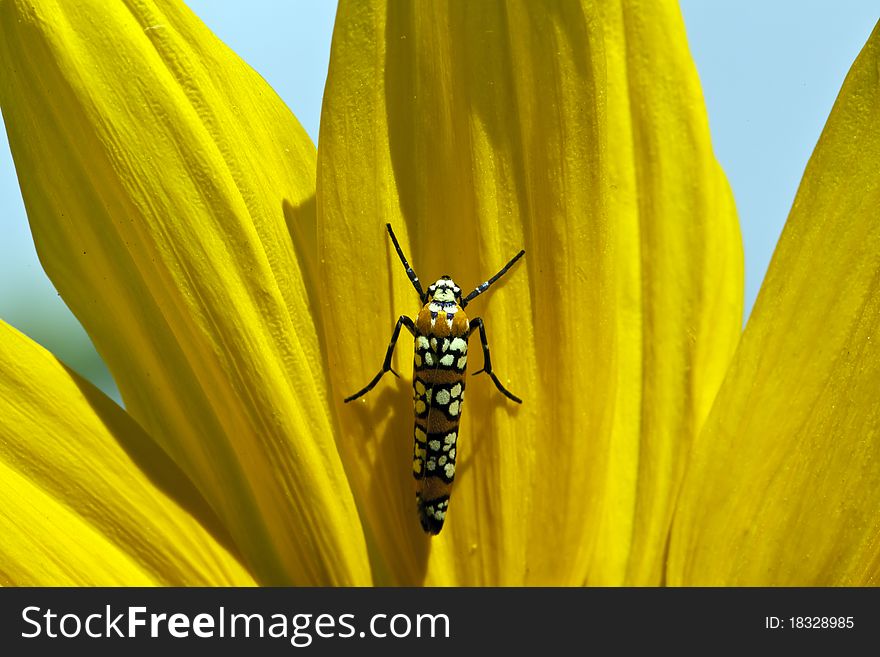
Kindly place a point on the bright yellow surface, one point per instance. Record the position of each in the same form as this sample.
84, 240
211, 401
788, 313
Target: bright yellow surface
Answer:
86, 498
785, 483
171, 197
239, 287
579, 134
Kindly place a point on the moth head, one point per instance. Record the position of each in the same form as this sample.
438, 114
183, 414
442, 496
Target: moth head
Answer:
444, 289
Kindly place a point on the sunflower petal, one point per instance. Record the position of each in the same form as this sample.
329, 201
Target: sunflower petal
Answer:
86, 498
679, 280
171, 198
783, 489
577, 133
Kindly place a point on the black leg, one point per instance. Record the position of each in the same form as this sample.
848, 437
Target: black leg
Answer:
409, 270
386, 366
477, 322
482, 287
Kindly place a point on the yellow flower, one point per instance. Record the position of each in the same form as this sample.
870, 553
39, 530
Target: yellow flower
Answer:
239, 285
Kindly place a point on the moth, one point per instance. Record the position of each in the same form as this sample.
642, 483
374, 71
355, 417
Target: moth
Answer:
441, 331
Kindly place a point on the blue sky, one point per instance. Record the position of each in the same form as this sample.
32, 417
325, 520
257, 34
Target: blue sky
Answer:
770, 73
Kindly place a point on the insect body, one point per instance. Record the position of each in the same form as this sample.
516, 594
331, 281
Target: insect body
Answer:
441, 331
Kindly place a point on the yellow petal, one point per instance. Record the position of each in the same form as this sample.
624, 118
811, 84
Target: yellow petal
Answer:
674, 211
160, 174
577, 133
86, 497
783, 489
